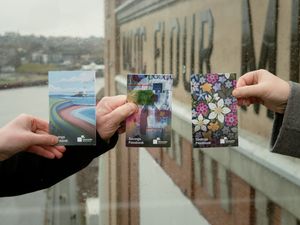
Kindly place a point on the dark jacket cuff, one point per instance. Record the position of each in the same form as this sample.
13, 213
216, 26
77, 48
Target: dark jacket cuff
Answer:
286, 127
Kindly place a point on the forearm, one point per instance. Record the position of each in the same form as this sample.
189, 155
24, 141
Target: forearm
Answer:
27, 172
286, 127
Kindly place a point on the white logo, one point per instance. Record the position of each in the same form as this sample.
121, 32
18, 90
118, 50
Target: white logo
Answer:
155, 141
223, 140
79, 139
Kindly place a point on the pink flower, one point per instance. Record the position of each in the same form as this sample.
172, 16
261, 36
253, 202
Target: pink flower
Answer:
233, 107
234, 83
202, 108
212, 78
231, 119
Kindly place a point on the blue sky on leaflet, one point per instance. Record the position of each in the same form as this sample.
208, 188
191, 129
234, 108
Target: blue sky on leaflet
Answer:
71, 82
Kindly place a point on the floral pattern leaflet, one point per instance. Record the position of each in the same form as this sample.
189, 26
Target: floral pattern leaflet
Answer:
214, 110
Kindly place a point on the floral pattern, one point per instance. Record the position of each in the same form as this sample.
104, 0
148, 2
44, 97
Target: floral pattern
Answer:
218, 110
200, 123
214, 110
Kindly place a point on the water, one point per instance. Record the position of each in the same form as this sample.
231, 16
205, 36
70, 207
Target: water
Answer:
87, 114
29, 100
90, 112
32, 100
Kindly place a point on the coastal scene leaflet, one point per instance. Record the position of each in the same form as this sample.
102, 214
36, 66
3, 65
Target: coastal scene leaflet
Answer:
72, 103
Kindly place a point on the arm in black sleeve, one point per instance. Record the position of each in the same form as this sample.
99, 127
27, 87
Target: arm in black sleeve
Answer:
286, 127
26, 172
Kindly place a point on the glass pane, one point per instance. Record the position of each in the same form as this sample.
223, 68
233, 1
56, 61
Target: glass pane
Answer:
247, 184
184, 185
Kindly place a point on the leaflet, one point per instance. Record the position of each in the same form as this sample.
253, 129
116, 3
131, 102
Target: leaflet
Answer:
151, 125
214, 110
72, 106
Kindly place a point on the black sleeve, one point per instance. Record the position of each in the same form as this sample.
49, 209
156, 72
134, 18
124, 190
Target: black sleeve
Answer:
26, 172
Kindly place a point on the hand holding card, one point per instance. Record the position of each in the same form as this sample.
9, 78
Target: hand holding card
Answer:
111, 113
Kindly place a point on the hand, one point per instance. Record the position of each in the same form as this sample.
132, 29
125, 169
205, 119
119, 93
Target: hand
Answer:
111, 113
28, 133
263, 87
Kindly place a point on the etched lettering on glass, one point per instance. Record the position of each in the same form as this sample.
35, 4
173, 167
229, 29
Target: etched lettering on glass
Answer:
267, 58
159, 52
186, 82
205, 51
175, 31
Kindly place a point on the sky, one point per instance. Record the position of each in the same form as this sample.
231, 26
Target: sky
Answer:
76, 18
71, 82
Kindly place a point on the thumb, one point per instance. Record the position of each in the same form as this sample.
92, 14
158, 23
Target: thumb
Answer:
43, 139
248, 91
122, 112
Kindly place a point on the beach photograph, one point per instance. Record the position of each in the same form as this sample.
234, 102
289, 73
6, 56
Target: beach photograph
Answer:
72, 106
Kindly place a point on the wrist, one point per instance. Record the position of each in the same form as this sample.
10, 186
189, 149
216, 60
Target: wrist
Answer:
2, 140
286, 96
2, 146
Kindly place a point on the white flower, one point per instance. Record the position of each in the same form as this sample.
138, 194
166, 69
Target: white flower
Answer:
208, 98
195, 86
227, 75
218, 110
216, 96
200, 123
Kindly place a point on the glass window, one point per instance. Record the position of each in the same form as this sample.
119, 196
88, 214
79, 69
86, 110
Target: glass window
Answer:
180, 184
235, 185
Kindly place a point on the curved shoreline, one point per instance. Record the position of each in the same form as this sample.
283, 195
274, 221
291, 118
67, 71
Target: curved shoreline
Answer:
22, 84
66, 114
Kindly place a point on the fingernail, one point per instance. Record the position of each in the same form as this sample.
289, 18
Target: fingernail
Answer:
61, 148
134, 107
54, 140
235, 93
